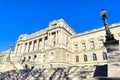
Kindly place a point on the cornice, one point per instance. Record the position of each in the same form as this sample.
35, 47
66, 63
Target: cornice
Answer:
95, 30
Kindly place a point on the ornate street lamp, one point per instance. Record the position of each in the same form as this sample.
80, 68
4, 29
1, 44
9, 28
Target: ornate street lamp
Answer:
109, 36
8, 57
111, 43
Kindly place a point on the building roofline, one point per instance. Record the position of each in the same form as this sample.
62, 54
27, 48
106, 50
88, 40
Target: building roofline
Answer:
96, 30
43, 31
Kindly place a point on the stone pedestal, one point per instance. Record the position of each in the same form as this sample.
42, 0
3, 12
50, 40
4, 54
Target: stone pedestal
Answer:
112, 45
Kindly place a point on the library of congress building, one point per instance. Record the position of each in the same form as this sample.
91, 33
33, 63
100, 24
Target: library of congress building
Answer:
59, 46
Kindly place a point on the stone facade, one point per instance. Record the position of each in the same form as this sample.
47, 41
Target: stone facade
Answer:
59, 46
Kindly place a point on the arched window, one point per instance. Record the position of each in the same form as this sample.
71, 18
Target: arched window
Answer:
77, 59
32, 67
85, 58
104, 56
29, 58
26, 66
43, 58
94, 57
35, 56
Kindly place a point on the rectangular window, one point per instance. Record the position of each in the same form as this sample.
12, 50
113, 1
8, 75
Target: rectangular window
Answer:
92, 44
101, 42
76, 46
83, 45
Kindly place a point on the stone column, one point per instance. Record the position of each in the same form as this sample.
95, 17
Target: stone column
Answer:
28, 47
50, 39
16, 48
23, 48
43, 41
56, 36
32, 46
60, 37
19, 48
37, 48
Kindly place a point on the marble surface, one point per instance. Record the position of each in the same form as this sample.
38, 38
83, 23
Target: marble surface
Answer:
114, 64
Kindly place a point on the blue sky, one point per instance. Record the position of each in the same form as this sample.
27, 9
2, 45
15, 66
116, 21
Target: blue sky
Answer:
28, 16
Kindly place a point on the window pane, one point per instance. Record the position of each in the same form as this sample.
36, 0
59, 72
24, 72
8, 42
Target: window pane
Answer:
85, 57
92, 44
84, 45
77, 59
101, 42
104, 56
94, 57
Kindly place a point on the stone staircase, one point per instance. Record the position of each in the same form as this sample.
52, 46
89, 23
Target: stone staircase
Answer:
70, 73
8, 65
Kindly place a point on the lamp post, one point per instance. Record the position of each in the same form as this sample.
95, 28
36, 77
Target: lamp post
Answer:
109, 36
8, 57
111, 43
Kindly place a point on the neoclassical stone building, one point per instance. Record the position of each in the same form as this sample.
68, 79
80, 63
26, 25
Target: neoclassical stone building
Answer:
60, 46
